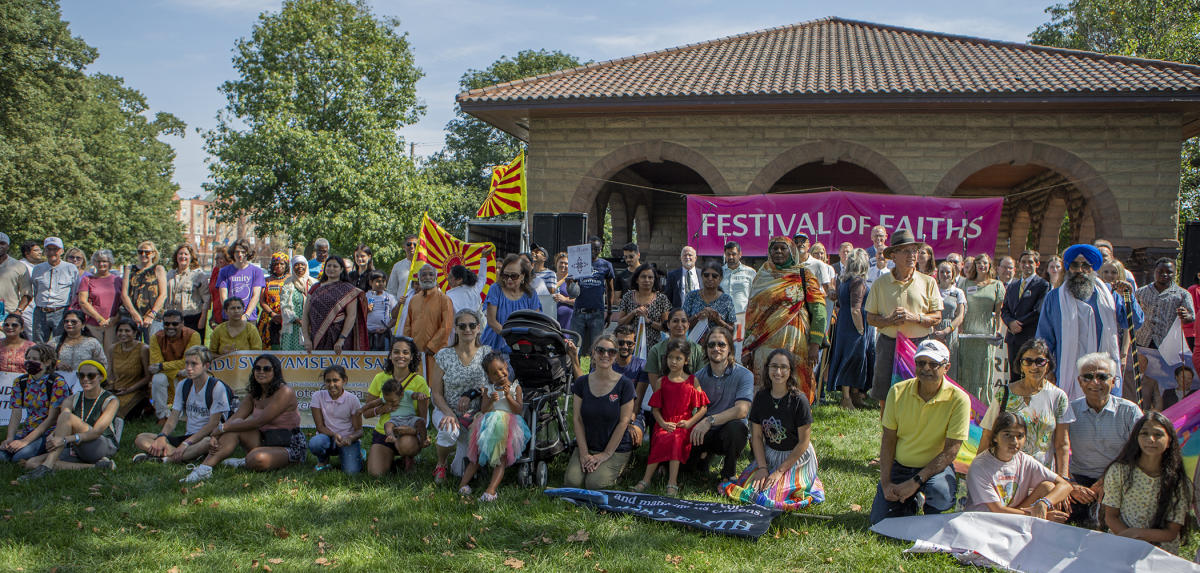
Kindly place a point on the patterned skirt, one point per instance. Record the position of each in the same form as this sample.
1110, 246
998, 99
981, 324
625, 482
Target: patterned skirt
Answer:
498, 438
798, 488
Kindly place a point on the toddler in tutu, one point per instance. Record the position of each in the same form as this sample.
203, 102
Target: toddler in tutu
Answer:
499, 434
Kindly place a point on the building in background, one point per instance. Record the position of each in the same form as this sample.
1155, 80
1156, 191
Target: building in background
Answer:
204, 231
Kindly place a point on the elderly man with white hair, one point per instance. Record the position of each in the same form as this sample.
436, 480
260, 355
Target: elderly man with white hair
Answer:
1102, 425
1083, 316
320, 253
684, 279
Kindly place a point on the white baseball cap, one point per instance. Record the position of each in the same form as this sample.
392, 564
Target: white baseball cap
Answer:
52, 241
934, 350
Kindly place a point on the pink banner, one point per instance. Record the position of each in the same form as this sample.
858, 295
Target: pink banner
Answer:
837, 216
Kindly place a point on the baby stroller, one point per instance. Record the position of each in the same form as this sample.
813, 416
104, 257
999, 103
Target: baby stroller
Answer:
545, 370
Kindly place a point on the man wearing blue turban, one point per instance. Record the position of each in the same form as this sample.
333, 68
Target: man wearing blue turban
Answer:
1081, 317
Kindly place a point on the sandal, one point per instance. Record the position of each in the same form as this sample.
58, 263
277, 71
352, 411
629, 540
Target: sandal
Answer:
488, 497
464, 490
672, 490
640, 486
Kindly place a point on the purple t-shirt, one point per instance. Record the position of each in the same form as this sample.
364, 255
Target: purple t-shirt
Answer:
241, 283
992, 481
336, 412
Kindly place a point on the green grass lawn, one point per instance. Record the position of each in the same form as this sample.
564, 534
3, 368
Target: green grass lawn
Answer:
140, 518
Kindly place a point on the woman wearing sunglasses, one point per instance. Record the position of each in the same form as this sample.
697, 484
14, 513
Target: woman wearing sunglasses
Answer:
1042, 404
84, 437
515, 293
455, 379
15, 345
144, 290
601, 411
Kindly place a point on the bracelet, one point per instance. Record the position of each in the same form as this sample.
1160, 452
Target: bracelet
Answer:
221, 427
186, 444
76, 438
1045, 501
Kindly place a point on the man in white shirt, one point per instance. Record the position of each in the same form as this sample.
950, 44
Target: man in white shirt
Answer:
737, 277
398, 284
54, 283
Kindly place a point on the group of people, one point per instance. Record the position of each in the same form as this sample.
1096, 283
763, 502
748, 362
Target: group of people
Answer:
1059, 442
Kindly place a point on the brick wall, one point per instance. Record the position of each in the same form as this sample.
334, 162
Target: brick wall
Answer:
1125, 165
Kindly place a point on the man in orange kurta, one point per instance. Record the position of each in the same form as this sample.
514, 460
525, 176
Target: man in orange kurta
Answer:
430, 314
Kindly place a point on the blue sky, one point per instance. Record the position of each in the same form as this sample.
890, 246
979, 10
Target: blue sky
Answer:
177, 52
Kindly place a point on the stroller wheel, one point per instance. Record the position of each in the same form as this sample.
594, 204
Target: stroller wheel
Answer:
524, 475
541, 474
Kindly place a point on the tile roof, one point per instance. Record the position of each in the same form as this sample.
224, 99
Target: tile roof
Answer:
838, 58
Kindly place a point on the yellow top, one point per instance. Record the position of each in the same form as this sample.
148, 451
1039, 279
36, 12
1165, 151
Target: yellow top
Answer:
918, 294
248, 339
922, 428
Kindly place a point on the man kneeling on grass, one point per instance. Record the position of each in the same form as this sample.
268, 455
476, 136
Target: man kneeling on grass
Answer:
925, 420
207, 403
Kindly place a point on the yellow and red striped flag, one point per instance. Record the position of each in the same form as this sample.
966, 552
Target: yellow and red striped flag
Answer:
437, 247
507, 191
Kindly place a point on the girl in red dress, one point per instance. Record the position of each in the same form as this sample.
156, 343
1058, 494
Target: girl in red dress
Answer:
677, 405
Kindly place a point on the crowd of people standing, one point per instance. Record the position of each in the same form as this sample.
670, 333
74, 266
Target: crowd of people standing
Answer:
1051, 356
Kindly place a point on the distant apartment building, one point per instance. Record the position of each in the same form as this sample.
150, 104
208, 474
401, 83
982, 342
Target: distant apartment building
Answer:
202, 229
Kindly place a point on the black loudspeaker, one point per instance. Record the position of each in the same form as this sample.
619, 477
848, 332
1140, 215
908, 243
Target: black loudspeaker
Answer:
1191, 254
556, 231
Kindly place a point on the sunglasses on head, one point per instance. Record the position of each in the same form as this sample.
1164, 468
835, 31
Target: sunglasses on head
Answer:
1101, 376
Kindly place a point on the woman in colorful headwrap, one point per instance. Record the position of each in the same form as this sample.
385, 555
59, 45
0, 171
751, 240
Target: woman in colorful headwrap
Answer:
292, 297
270, 315
783, 473
335, 315
786, 310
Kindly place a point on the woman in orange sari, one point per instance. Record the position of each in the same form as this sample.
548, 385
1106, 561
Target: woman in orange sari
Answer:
335, 312
786, 310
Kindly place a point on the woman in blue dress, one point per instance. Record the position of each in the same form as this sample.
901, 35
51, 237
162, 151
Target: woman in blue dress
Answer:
854, 340
515, 293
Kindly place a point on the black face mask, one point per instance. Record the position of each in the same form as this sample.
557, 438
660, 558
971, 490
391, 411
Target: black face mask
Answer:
33, 368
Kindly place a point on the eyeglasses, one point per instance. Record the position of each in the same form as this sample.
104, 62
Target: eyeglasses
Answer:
927, 364
88, 375
11, 325
628, 343
264, 368
173, 323
1034, 361
779, 367
1076, 266
511, 276
71, 322
604, 351
1101, 376
145, 252
711, 276
717, 344
467, 325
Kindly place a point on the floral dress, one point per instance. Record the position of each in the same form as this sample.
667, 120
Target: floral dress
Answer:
271, 300
143, 288
457, 378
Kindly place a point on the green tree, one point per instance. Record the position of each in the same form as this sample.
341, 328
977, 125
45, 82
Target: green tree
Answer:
308, 143
473, 146
1156, 29
78, 158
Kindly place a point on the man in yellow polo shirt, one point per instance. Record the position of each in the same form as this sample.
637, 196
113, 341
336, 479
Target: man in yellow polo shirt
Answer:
925, 420
904, 301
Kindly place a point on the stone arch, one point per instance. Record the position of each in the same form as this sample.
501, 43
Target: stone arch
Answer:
1052, 221
831, 151
652, 151
1081, 175
1018, 235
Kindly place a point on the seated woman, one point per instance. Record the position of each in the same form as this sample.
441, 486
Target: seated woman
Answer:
203, 398
338, 420
84, 437
1146, 489
783, 474
77, 343
601, 411
1005, 479
130, 381
236, 333
1041, 403
402, 411
37, 396
266, 425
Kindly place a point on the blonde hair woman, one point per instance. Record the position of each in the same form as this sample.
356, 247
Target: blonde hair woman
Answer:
144, 290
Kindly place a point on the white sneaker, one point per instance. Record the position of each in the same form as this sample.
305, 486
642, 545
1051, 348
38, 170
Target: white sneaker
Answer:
200, 473
235, 462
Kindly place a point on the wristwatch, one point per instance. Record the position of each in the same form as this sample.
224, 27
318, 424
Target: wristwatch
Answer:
917, 478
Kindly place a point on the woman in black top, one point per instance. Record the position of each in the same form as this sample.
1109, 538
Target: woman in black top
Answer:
602, 413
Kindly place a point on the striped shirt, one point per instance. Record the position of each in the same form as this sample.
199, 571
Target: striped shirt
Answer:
1097, 437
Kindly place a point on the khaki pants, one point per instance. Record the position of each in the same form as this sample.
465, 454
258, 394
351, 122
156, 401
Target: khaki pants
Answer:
602, 477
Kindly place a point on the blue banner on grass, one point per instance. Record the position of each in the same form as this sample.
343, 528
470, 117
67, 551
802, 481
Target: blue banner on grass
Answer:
737, 520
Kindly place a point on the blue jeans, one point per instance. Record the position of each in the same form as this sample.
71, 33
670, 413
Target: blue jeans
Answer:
589, 323
323, 447
34, 449
46, 326
940, 492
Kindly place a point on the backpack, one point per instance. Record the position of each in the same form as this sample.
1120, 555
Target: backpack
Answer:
208, 395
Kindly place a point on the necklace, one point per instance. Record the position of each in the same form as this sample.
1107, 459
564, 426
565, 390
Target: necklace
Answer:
95, 401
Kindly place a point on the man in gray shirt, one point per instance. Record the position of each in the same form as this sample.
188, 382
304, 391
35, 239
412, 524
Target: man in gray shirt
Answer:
54, 284
16, 290
730, 390
1101, 427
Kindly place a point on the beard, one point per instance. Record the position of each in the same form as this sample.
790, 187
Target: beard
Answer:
427, 285
1080, 285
